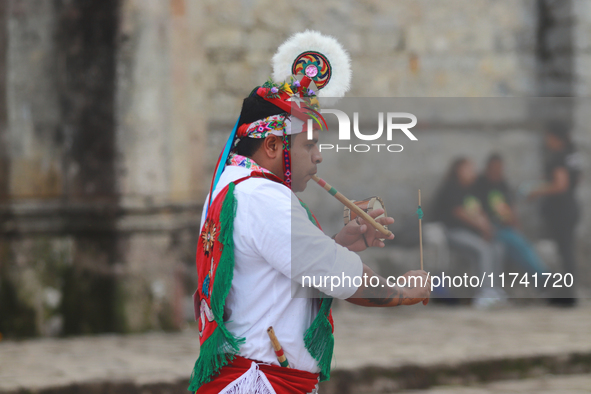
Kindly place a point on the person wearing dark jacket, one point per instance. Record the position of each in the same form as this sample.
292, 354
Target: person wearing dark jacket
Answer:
560, 209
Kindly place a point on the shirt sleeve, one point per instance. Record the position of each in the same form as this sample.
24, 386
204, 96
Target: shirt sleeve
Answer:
285, 237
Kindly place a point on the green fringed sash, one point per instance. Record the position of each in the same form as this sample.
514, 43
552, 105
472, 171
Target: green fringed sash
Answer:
221, 346
319, 338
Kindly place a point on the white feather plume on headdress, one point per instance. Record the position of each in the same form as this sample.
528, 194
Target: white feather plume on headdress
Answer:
340, 63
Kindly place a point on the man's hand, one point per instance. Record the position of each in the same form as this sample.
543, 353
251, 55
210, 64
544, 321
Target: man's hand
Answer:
352, 235
486, 230
417, 289
412, 294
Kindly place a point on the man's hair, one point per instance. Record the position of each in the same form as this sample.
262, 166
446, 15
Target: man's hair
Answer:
450, 181
254, 107
248, 146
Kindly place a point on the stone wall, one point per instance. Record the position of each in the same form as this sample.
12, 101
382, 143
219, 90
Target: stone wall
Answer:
453, 48
582, 136
113, 114
60, 77
401, 49
101, 167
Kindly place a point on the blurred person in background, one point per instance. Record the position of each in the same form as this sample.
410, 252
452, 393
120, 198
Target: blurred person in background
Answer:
493, 191
560, 209
467, 226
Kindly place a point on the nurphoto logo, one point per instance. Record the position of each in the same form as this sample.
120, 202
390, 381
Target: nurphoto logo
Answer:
392, 124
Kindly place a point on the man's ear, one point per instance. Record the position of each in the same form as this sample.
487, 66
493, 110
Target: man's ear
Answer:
273, 146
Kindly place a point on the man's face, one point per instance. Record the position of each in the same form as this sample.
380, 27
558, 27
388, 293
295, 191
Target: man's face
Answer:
304, 158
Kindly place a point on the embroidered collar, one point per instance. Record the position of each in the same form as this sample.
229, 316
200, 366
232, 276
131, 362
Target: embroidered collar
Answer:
246, 162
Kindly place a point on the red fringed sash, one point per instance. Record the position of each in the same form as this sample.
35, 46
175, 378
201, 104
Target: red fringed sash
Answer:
283, 380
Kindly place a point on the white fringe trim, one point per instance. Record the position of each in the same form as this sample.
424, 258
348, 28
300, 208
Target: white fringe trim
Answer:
252, 381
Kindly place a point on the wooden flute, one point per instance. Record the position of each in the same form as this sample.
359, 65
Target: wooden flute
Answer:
277, 348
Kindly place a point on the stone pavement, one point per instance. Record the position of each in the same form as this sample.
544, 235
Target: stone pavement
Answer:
367, 340
430, 335
572, 384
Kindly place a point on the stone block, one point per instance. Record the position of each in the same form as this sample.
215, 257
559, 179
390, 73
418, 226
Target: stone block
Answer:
219, 37
583, 75
224, 108
261, 40
560, 38
383, 42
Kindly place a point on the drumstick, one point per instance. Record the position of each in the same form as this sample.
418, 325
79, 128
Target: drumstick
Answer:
278, 349
420, 213
334, 192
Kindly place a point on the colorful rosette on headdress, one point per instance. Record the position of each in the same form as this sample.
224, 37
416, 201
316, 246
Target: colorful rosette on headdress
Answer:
318, 57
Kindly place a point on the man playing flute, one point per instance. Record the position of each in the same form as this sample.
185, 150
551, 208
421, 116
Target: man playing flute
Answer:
257, 239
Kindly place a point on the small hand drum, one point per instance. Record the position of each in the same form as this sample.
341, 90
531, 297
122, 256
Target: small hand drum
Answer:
367, 205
